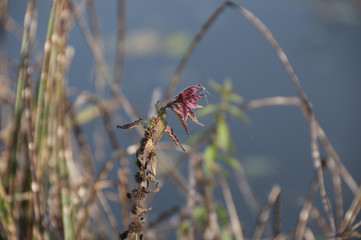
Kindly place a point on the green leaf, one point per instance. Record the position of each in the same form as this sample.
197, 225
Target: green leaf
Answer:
200, 214
159, 129
227, 85
4, 214
206, 110
223, 135
184, 227
210, 153
232, 97
222, 215
225, 235
238, 113
216, 87
231, 161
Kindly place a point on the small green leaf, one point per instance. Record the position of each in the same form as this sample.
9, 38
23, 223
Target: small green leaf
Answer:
225, 235
131, 125
235, 98
216, 87
223, 136
206, 110
159, 129
210, 153
4, 214
184, 227
238, 113
231, 161
200, 214
222, 215
227, 85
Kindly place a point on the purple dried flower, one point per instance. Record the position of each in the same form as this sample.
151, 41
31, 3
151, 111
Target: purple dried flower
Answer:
184, 102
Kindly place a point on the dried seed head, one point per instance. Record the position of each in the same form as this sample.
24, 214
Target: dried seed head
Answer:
140, 212
123, 236
139, 163
140, 177
138, 194
135, 227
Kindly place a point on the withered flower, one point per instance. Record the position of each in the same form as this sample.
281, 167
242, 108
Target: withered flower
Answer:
146, 158
184, 102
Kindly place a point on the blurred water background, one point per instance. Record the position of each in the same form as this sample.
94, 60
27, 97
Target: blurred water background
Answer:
321, 39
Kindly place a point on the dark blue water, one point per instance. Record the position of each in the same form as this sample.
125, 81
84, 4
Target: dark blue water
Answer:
322, 41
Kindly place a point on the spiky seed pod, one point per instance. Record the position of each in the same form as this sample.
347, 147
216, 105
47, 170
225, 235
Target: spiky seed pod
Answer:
140, 212
137, 194
135, 227
140, 177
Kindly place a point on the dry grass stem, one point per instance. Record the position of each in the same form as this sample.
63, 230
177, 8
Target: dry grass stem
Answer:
235, 224
265, 212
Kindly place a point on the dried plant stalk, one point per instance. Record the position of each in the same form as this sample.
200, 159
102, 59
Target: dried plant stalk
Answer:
265, 212
146, 158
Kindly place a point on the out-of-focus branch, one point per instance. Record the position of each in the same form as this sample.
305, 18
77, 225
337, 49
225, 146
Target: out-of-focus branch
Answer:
232, 211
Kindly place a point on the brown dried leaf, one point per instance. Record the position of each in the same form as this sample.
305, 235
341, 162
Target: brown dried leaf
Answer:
153, 163
172, 136
131, 125
148, 152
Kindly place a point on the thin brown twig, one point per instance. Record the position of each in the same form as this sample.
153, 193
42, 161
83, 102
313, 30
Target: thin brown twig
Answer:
306, 209
83, 213
123, 101
100, 104
321, 221
174, 174
161, 217
232, 211
191, 195
295, 101
352, 212
316, 155
309, 234
246, 190
271, 101
108, 212
124, 164
265, 212
337, 188
119, 59
98, 135
81, 139
277, 217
